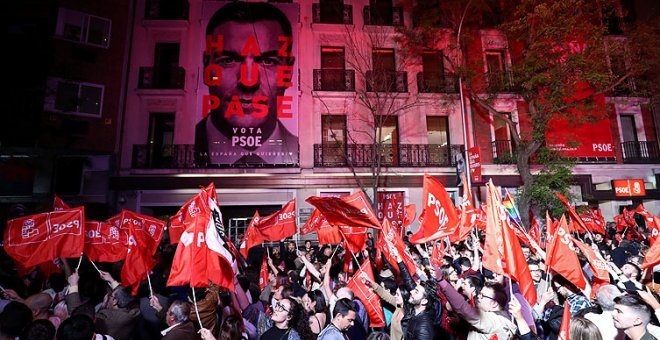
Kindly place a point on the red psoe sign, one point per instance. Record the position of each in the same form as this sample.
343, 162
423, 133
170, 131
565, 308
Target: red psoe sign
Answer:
629, 187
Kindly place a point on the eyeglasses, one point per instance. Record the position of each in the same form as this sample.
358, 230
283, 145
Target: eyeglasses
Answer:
279, 307
481, 295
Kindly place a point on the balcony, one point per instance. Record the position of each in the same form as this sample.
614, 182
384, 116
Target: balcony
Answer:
332, 14
403, 155
645, 152
387, 81
436, 83
499, 82
166, 10
334, 80
384, 16
159, 78
176, 156
503, 152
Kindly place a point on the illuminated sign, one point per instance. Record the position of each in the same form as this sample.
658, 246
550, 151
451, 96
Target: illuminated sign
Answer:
629, 187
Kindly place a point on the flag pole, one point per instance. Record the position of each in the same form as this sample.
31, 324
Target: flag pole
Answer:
95, 267
79, 261
511, 297
151, 290
196, 309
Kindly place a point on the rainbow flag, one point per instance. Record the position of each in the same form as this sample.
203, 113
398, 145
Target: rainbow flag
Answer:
511, 209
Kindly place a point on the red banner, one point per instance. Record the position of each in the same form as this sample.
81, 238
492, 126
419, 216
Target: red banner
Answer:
390, 206
629, 187
277, 226
584, 138
474, 161
105, 242
35, 239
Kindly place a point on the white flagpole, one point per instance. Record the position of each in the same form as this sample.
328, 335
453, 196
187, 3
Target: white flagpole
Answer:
196, 310
79, 261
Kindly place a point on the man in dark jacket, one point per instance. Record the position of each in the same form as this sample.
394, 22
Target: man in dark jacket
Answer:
178, 320
420, 323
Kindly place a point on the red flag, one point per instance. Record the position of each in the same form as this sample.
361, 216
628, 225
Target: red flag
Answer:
438, 253
105, 242
534, 231
561, 256
652, 257
314, 222
509, 258
176, 228
329, 234
565, 329
59, 204
440, 217
34, 239
625, 220
263, 273
369, 299
388, 238
593, 223
652, 223
355, 238
549, 229
575, 218
195, 263
279, 225
596, 263
469, 215
353, 210
409, 214
144, 235
251, 237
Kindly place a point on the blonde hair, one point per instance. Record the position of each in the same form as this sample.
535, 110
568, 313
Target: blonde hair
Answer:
583, 329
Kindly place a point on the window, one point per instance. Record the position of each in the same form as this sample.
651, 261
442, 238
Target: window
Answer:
166, 66
389, 138
383, 59
161, 138
432, 77
437, 130
333, 76
333, 147
83, 28
496, 69
334, 129
75, 98
502, 147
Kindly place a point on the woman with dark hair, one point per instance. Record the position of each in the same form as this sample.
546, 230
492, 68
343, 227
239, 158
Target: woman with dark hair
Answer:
289, 322
232, 329
314, 304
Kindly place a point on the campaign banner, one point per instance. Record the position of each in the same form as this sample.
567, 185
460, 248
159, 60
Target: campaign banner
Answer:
248, 98
583, 138
474, 161
390, 206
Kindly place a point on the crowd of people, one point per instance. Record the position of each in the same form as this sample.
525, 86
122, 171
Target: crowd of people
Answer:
307, 297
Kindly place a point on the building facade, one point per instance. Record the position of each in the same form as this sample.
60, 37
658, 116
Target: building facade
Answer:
131, 86
347, 66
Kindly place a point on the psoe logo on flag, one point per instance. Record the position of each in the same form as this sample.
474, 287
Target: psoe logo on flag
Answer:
28, 230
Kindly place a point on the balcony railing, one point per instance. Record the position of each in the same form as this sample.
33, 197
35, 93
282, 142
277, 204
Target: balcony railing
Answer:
503, 152
166, 10
403, 155
640, 152
436, 83
157, 78
332, 14
499, 81
383, 16
387, 81
177, 156
334, 80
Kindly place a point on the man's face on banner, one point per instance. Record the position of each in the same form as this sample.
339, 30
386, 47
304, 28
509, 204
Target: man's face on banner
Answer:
236, 37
